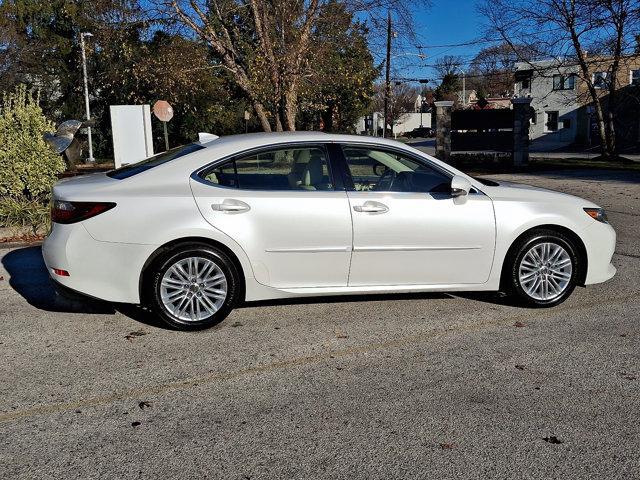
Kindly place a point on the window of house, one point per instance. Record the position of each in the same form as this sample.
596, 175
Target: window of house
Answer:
635, 77
387, 171
564, 82
292, 168
600, 80
551, 124
526, 83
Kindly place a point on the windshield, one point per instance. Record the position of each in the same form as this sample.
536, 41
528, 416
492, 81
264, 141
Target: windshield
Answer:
164, 157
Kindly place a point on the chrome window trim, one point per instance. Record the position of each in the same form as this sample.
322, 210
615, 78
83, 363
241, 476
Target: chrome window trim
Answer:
197, 174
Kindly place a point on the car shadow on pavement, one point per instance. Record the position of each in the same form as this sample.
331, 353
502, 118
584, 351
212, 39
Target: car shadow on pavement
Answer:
29, 277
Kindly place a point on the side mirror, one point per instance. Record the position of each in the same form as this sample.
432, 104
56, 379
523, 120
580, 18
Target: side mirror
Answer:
460, 186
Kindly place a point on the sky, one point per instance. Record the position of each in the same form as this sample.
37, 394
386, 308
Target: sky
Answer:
446, 22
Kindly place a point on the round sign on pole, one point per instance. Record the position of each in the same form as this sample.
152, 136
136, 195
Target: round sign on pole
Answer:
163, 110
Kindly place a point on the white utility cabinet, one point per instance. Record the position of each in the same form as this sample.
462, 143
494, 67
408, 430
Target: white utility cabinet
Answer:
131, 129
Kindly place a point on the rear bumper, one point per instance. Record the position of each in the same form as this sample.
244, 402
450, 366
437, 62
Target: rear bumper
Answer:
600, 242
103, 270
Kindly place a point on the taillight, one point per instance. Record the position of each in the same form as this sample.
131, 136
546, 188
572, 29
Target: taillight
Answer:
72, 212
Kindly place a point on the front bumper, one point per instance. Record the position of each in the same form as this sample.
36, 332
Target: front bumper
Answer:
103, 270
600, 242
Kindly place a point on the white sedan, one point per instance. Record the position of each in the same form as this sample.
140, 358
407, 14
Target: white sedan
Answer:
192, 232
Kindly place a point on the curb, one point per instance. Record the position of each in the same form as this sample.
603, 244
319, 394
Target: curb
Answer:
12, 245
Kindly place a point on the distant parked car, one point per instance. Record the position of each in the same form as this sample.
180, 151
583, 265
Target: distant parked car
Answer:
420, 132
195, 231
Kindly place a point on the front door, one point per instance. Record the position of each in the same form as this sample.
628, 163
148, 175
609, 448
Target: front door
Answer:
408, 229
280, 205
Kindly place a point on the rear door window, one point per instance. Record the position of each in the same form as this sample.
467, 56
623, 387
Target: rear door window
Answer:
293, 168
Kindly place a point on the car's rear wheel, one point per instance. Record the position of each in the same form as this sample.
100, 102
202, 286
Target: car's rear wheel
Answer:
543, 268
194, 287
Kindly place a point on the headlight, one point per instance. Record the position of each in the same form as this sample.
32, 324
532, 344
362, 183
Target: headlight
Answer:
597, 214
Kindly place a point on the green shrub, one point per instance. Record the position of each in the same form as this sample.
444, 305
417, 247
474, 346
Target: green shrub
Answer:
23, 213
28, 166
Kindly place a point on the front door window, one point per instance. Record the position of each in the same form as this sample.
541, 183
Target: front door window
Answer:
386, 171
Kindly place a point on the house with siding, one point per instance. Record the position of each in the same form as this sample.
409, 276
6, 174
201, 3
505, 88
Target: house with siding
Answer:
553, 88
563, 111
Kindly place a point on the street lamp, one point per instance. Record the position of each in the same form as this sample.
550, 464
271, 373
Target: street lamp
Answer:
422, 102
86, 93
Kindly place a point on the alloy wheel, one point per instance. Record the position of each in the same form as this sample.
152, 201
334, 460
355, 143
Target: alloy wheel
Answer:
545, 271
193, 289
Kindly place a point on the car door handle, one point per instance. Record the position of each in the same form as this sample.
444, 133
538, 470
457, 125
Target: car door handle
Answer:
371, 207
230, 205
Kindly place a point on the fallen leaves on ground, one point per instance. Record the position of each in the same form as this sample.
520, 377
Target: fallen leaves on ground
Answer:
340, 334
24, 238
144, 405
552, 439
138, 333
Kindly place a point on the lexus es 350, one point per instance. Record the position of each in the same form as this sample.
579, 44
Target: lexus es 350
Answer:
192, 232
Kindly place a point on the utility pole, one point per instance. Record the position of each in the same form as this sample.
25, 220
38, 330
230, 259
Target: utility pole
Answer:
464, 87
387, 83
86, 93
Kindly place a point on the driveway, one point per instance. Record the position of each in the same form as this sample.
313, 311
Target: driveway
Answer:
404, 386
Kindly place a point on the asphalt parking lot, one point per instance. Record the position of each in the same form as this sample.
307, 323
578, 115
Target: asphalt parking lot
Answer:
404, 386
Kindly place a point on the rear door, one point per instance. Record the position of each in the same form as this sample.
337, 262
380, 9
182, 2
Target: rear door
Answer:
283, 207
408, 229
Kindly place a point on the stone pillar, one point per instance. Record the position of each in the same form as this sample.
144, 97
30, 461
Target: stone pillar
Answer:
521, 117
443, 130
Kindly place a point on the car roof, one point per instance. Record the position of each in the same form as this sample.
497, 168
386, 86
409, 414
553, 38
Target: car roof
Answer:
250, 140
223, 147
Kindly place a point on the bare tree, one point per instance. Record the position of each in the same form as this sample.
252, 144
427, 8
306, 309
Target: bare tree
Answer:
401, 102
267, 47
491, 70
260, 44
448, 65
566, 30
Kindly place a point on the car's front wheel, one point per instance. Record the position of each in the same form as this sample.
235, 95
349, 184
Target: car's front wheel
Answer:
543, 268
194, 287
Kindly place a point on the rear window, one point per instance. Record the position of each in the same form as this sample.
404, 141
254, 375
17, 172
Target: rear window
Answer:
164, 157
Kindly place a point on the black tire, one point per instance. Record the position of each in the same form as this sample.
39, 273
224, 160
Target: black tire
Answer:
510, 275
153, 295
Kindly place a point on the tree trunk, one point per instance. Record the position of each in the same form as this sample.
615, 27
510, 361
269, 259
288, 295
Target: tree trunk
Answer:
262, 116
602, 128
612, 152
290, 109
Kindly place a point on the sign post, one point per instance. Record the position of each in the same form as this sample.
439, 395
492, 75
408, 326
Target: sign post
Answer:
247, 116
164, 112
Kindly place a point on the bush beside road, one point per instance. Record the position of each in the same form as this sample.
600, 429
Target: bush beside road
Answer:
405, 386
